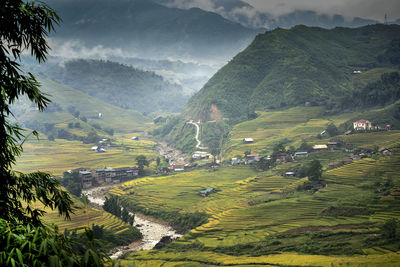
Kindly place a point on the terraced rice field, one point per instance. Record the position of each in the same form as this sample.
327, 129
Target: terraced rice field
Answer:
291, 126
62, 155
266, 205
81, 218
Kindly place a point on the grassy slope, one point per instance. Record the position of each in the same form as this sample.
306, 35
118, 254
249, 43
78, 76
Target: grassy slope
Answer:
112, 117
298, 124
290, 67
245, 213
62, 155
83, 217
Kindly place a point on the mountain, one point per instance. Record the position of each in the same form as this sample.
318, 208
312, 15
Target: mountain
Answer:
119, 85
284, 68
245, 14
312, 18
148, 30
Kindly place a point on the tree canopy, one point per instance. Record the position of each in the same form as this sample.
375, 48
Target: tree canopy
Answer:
24, 26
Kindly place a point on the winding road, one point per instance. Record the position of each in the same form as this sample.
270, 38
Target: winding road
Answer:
196, 124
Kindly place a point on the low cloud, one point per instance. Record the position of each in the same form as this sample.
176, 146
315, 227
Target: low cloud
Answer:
371, 9
76, 49
207, 5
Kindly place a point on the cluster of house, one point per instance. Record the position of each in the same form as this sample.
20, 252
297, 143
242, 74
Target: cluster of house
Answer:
197, 155
101, 147
105, 176
285, 157
365, 125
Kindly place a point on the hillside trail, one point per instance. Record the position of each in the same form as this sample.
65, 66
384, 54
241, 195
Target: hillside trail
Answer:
196, 124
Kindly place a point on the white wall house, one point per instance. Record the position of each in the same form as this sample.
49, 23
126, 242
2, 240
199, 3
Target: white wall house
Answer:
362, 125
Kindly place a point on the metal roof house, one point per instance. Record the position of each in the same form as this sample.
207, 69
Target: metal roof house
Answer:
248, 140
206, 192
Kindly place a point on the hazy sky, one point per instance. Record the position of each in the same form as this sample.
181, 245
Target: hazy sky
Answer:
373, 9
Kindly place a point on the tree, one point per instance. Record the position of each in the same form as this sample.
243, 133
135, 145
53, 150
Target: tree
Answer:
158, 161
141, 162
389, 228
72, 181
314, 170
24, 26
332, 130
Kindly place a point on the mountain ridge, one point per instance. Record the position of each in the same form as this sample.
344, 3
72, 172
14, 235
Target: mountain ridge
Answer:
292, 67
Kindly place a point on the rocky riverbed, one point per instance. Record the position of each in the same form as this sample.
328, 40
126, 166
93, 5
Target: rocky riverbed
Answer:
151, 230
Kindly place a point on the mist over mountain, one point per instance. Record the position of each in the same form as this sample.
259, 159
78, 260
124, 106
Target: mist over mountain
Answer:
247, 15
147, 30
117, 84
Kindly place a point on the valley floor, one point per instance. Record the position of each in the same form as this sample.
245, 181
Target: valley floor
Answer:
262, 219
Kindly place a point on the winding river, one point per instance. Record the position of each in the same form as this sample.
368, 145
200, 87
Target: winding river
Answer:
152, 231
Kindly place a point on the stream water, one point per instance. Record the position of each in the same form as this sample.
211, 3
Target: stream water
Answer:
152, 231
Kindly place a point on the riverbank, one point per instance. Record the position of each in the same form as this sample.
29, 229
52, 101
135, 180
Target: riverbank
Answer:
151, 230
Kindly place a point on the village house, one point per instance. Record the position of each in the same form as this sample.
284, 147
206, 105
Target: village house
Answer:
332, 145
385, 152
320, 148
252, 158
235, 161
207, 192
248, 140
108, 175
301, 154
362, 125
201, 155
290, 174
86, 179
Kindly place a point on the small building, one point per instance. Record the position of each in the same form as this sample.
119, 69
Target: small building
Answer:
86, 178
362, 125
332, 145
301, 154
347, 132
101, 150
355, 157
385, 152
94, 148
135, 138
207, 192
290, 174
252, 158
248, 140
320, 148
235, 161
201, 155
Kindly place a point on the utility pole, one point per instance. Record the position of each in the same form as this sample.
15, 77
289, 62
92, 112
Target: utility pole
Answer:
386, 21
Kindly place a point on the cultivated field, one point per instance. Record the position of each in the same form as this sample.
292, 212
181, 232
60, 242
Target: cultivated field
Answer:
261, 219
61, 155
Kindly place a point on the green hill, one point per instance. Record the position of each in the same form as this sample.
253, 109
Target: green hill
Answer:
119, 85
285, 68
67, 103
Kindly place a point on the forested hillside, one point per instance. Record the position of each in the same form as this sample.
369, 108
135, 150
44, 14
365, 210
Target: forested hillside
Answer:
120, 85
303, 65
